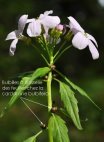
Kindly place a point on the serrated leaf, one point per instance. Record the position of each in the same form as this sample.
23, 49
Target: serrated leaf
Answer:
64, 112
58, 129
81, 91
33, 138
24, 84
74, 86
70, 103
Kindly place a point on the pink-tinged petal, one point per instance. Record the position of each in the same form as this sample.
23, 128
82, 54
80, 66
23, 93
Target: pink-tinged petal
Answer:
48, 12
22, 22
93, 50
60, 27
92, 38
11, 35
13, 47
74, 25
50, 21
34, 28
30, 20
73, 29
79, 41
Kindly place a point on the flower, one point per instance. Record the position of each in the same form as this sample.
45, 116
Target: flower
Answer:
49, 22
81, 39
34, 28
17, 34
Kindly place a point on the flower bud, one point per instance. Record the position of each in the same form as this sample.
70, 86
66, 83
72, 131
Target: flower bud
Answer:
60, 27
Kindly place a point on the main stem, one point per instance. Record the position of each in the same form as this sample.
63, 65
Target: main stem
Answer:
49, 81
49, 91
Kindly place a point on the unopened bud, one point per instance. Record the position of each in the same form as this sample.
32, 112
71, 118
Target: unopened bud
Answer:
60, 27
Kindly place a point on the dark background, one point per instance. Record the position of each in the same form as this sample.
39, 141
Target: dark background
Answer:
18, 123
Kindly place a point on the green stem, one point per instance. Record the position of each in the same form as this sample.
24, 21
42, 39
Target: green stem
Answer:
59, 55
41, 54
38, 133
49, 81
60, 49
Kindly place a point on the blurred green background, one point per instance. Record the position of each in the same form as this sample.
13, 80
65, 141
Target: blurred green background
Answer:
19, 123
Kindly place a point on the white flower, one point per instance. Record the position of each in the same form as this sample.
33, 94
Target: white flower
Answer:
81, 39
34, 28
49, 22
17, 34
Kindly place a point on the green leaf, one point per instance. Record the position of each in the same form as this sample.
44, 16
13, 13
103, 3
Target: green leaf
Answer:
24, 84
81, 91
74, 86
33, 138
64, 112
58, 129
70, 103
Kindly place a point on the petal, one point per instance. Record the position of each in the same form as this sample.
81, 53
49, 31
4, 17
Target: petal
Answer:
92, 38
34, 28
11, 35
13, 47
22, 23
46, 13
30, 20
80, 41
74, 25
93, 50
50, 21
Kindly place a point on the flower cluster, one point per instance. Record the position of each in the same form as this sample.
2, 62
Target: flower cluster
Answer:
47, 26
